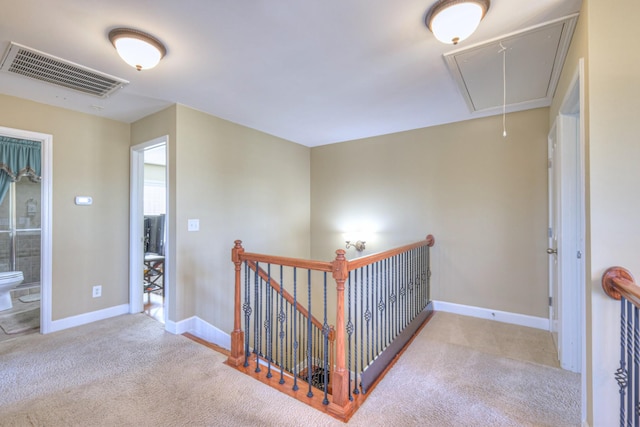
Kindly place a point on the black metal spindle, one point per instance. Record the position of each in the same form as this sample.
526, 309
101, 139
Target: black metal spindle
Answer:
247, 312
267, 325
636, 367
394, 298
355, 329
256, 322
629, 360
282, 317
325, 333
375, 308
295, 330
309, 358
367, 314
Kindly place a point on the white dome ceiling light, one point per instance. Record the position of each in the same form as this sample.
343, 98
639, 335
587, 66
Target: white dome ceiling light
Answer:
452, 21
140, 50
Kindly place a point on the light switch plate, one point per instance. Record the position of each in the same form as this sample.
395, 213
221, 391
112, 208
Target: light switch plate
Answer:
193, 224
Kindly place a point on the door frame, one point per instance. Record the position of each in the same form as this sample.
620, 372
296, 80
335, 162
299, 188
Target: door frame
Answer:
136, 225
46, 238
552, 233
569, 126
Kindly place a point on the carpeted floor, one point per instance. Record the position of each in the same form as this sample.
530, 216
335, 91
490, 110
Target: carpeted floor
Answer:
127, 371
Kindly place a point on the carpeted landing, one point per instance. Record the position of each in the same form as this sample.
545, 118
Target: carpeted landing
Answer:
127, 371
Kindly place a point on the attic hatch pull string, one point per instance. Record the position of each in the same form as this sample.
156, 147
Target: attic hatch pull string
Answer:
504, 89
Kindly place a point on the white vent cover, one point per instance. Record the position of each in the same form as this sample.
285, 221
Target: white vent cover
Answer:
534, 60
37, 65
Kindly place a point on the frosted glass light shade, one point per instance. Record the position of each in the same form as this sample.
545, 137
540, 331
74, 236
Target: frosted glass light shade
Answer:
452, 21
140, 50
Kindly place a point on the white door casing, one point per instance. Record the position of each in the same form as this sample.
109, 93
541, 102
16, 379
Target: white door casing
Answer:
136, 226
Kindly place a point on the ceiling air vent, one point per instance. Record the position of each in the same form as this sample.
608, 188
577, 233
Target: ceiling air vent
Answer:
38, 65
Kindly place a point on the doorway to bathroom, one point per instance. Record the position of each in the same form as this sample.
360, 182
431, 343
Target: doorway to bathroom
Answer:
20, 236
149, 292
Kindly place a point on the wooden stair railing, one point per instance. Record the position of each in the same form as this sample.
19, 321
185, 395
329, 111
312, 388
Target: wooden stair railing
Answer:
618, 283
405, 294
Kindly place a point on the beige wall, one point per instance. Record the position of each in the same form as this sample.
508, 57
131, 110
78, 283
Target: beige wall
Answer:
90, 158
241, 184
614, 159
612, 175
482, 196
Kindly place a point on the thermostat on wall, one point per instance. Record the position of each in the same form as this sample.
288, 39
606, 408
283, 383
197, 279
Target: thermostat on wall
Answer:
83, 200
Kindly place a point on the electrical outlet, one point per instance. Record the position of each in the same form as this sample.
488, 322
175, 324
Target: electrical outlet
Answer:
97, 291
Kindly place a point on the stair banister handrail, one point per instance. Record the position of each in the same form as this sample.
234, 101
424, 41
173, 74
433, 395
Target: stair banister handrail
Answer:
379, 256
618, 282
285, 261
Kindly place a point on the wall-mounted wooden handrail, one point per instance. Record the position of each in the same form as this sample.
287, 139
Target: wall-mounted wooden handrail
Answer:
618, 282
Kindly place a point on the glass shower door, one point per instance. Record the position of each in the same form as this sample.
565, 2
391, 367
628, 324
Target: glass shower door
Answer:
20, 230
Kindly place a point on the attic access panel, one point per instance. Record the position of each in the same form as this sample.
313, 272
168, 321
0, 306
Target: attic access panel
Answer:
534, 60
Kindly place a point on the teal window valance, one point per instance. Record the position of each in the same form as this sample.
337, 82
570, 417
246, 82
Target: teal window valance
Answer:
18, 158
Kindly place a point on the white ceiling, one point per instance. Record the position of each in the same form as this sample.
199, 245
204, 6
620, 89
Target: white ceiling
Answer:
314, 72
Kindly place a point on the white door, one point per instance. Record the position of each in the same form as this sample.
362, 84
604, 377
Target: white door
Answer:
566, 232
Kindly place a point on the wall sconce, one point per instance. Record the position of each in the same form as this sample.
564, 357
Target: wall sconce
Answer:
359, 245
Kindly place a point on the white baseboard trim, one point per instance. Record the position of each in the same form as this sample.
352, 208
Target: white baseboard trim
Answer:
201, 329
83, 319
500, 316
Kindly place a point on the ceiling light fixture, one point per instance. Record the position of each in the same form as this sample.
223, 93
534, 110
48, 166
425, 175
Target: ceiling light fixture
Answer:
138, 49
452, 21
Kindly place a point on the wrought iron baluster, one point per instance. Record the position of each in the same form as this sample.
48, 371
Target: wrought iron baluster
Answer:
295, 330
246, 307
428, 274
374, 306
267, 325
630, 403
256, 322
355, 329
636, 367
282, 317
362, 322
326, 330
367, 315
309, 358
393, 299
387, 340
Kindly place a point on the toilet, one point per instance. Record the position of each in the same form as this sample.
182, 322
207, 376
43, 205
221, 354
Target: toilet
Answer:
8, 281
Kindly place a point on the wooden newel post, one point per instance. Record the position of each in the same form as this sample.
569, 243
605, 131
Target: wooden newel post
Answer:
340, 378
237, 336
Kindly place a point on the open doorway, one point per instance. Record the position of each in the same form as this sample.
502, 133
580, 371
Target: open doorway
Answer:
148, 279
25, 222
